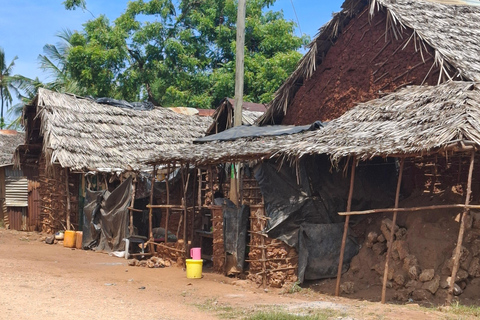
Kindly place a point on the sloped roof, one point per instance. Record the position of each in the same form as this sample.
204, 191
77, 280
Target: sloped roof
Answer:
451, 28
9, 140
413, 121
81, 134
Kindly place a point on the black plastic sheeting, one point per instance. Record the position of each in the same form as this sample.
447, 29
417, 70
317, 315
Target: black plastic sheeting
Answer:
255, 131
106, 218
303, 202
235, 223
319, 250
139, 106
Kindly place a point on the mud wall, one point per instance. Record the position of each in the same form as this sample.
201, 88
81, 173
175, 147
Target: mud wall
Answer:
362, 65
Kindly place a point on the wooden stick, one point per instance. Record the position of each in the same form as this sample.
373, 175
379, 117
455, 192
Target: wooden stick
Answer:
150, 211
185, 213
436, 207
456, 258
167, 187
134, 187
68, 199
392, 231
345, 228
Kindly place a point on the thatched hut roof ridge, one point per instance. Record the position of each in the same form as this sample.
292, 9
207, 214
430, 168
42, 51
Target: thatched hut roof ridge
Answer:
9, 140
81, 134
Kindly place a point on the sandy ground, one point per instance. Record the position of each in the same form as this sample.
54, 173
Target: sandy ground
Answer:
40, 281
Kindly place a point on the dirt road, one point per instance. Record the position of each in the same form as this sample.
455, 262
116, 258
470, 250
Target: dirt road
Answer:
40, 281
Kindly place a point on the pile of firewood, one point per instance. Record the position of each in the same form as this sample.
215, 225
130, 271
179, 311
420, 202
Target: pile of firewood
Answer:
272, 262
172, 251
218, 245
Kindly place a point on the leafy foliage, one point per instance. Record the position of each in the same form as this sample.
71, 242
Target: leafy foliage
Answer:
182, 55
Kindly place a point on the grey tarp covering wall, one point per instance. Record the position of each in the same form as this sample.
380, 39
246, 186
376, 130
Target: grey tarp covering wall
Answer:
302, 203
255, 131
106, 218
235, 223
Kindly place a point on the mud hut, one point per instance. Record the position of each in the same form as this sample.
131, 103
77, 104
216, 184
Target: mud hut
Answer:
374, 47
74, 143
16, 192
428, 250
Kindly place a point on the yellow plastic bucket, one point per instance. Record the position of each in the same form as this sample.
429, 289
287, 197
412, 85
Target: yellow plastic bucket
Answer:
194, 268
69, 239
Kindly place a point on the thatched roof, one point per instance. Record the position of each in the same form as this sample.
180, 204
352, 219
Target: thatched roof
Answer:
413, 121
81, 134
9, 140
453, 31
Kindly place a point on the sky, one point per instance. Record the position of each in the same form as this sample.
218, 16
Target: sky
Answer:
27, 25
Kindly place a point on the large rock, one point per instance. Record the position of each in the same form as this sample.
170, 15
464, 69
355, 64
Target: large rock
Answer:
399, 278
432, 285
427, 275
461, 275
347, 287
475, 247
386, 228
379, 248
409, 261
420, 295
474, 268
465, 258
414, 272
401, 234
371, 239
381, 238
401, 247
476, 219
402, 295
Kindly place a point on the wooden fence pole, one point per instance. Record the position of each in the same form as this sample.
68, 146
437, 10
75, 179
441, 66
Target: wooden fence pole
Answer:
392, 231
345, 227
458, 249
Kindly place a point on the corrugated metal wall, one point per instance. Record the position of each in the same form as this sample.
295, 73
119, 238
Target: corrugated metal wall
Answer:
17, 218
33, 218
16, 191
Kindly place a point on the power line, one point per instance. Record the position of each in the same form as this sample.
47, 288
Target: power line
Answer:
298, 22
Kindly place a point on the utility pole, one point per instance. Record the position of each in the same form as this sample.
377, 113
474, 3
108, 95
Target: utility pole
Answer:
239, 73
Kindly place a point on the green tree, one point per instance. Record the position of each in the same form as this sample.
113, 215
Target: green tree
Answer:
183, 55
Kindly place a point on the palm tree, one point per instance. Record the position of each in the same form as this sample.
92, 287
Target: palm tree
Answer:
27, 90
7, 81
54, 61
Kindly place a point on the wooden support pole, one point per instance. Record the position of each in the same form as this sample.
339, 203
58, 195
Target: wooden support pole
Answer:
458, 249
345, 227
185, 213
436, 207
392, 230
167, 211
67, 192
134, 187
150, 211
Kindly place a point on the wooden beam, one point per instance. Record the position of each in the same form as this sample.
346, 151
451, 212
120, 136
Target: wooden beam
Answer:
434, 207
456, 258
345, 228
392, 230
167, 187
134, 187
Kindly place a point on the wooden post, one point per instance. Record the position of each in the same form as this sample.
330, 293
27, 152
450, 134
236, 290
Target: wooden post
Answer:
345, 227
167, 211
185, 213
239, 62
132, 205
392, 231
150, 211
456, 258
67, 192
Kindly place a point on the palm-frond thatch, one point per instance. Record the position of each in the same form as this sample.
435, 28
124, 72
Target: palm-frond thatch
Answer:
413, 121
450, 28
81, 134
9, 140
